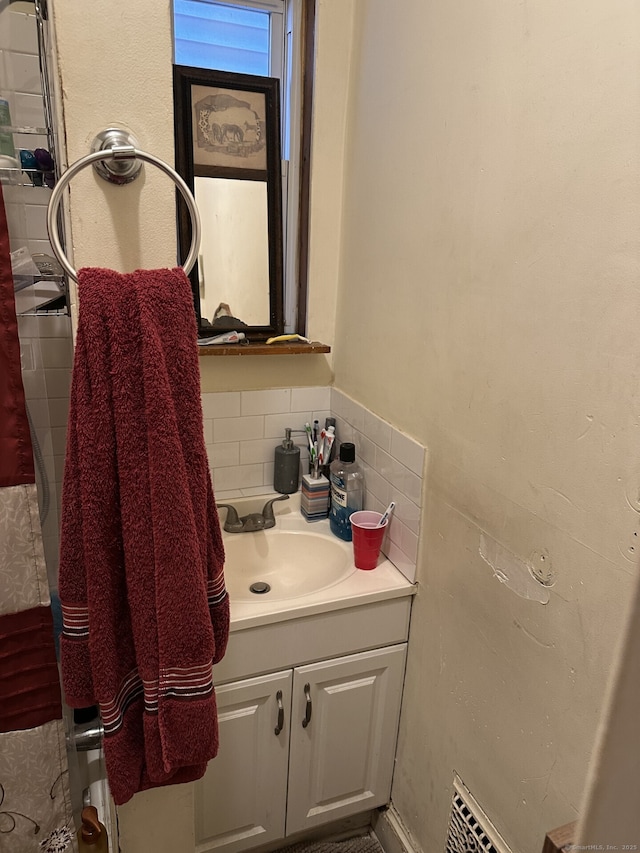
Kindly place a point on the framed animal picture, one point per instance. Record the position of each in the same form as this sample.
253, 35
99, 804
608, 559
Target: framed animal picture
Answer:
232, 122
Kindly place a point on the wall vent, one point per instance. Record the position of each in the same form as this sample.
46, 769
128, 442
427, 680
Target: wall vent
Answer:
470, 830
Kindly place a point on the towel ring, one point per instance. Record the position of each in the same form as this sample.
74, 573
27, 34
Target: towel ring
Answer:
118, 152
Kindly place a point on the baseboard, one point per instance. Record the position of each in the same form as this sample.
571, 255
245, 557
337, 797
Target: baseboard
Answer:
391, 832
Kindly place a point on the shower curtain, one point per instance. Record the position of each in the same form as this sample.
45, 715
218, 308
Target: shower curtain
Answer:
35, 801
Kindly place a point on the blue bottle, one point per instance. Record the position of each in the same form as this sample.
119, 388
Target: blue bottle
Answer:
347, 490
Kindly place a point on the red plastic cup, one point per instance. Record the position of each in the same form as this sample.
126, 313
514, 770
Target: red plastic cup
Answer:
367, 538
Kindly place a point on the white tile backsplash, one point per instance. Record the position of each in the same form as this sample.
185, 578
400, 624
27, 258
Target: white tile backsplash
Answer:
275, 425
225, 454
309, 399
256, 451
238, 429
224, 404
407, 451
255, 423
242, 430
265, 402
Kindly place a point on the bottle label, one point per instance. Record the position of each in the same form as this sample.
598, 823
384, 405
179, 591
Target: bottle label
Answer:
338, 495
340, 510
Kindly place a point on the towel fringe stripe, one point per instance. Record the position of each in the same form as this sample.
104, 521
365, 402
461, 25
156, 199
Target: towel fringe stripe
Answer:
175, 683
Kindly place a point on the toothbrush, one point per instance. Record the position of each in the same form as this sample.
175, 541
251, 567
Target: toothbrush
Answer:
307, 429
386, 514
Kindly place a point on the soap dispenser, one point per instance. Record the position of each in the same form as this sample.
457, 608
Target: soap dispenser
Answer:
286, 469
92, 836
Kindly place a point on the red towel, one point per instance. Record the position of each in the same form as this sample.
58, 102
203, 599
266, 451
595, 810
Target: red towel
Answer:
145, 609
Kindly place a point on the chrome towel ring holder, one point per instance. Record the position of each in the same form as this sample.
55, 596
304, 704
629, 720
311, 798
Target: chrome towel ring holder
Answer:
116, 158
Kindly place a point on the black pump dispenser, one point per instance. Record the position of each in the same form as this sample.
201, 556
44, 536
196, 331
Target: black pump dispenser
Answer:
286, 468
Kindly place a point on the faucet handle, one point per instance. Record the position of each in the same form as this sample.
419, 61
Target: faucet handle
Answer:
267, 510
232, 523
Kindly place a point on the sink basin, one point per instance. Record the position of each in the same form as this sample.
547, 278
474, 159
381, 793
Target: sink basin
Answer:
290, 563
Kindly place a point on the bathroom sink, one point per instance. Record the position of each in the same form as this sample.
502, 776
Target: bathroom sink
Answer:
284, 564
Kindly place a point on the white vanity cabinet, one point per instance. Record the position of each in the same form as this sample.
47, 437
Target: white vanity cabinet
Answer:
341, 762
241, 800
336, 720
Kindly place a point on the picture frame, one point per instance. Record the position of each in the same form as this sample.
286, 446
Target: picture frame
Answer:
227, 125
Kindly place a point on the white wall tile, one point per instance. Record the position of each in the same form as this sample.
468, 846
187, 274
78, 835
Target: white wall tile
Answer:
275, 425
39, 247
407, 451
34, 385
267, 474
237, 477
261, 450
409, 543
377, 430
59, 412
36, 215
22, 74
224, 404
237, 429
56, 352
338, 403
224, 454
58, 464
401, 561
310, 399
385, 464
207, 428
406, 511
366, 450
221, 497
344, 431
39, 412
53, 326
271, 402
18, 31
59, 439
354, 414
377, 486
28, 111
57, 382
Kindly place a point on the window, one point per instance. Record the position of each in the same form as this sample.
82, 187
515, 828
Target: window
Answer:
256, 37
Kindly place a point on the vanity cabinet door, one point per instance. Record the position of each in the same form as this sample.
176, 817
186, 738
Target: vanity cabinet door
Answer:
342, 759
241, 800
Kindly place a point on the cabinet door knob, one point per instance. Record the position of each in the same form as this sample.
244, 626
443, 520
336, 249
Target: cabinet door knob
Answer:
280, 724
308, 707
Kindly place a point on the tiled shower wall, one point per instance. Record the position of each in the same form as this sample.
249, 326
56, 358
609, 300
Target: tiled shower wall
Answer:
21, 86
45, 339
47, 353
242, 429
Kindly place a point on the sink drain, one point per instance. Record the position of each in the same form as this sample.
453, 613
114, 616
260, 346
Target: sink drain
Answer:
259, 587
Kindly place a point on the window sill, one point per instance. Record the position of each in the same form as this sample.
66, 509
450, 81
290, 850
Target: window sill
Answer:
312, 348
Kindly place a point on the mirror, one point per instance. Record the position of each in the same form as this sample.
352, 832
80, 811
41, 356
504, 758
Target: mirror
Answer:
227, 136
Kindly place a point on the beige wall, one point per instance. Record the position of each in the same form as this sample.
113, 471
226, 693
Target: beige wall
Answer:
488, 305
486, 255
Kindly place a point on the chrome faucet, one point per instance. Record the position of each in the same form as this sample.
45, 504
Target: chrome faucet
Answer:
254, 520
